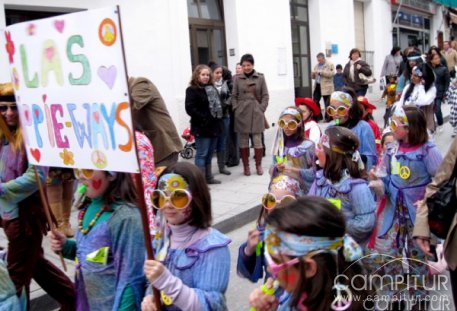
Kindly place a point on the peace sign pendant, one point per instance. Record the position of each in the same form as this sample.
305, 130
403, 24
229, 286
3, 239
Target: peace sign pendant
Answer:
405, 172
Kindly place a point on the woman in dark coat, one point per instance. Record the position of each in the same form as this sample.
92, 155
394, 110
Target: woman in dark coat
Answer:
203, 105
351, 72
442, 80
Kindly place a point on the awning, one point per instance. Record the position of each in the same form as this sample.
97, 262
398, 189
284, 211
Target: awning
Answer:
448, 3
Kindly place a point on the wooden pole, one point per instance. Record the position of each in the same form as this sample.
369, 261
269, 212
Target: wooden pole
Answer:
47, 212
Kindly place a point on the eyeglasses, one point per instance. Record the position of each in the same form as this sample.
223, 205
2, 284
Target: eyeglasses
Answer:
291, 125
276, 268
341, 111
394, 125
179, 198
269, 200
4, 107
87, 173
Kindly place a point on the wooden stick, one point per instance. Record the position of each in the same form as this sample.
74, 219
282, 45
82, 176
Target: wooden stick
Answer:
47, 212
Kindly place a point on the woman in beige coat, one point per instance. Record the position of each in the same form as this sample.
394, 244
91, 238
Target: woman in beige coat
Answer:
421, 231
249, 102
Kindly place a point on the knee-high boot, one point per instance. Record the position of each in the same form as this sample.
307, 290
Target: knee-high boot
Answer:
221, 163
65, 226
258, 160
244, 154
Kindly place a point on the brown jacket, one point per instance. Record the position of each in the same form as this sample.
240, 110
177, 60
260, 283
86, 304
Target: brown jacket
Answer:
421, 228
249, 102
328, 71
154, 119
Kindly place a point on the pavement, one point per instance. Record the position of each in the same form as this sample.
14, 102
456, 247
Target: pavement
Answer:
235, 202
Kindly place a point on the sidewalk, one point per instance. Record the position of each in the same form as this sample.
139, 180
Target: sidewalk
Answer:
235, 202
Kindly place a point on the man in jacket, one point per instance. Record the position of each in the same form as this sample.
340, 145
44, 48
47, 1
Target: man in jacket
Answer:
323, 74
451, 58
421, 231
155, 121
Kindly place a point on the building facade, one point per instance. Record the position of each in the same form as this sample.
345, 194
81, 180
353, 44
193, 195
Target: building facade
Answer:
165, 39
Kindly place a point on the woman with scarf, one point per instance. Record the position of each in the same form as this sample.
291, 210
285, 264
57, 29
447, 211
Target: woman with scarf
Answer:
203, 105
353, 69
293, 155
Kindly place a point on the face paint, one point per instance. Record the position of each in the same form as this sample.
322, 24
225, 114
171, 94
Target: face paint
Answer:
96, 184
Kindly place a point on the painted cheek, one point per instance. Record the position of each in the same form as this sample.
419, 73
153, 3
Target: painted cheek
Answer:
289, 277
96, 183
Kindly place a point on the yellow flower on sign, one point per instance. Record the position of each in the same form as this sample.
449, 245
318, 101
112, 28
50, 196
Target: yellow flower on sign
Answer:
67, 157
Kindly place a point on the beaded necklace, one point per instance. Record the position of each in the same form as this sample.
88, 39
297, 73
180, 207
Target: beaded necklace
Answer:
92, 222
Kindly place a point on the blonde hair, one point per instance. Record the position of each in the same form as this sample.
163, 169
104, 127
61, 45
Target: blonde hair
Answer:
196, 73
6, 89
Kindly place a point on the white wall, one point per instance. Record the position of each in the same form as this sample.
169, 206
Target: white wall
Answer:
262, 28
156, 37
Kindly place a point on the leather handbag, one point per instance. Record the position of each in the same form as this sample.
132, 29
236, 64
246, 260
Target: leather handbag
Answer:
366, 80
442, 206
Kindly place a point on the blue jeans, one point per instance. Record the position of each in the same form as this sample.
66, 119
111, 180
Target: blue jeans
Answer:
222, 139
362, 92
438, 113
205, 149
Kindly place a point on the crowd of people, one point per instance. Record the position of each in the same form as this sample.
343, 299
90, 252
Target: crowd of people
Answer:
345, 200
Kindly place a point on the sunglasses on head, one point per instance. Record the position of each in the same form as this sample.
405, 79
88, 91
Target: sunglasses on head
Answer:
179, 198
291, 124
4, 107
341, 111
269, 200
275, 268
87, 173
394, 125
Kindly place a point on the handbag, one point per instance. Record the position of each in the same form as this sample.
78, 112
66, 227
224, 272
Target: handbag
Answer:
366, 80
442, 206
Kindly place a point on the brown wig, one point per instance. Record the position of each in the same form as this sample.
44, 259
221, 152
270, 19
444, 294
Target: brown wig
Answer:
315, 216
343, 143
417, 128
201, 215
196, 73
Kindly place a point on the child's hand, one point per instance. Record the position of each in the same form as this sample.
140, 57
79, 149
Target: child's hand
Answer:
153, 269
372, 175
253, 240
280, 167
148, 304
261, 301
57, 240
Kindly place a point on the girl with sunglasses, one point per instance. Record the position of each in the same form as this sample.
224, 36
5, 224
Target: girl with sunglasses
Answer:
410, 164
192, 264
347, 112
251, 262
308, 252
109, 246
293, 155
341, 181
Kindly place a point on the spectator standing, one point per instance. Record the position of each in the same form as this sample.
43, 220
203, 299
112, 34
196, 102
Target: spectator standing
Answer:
338, 78
391, 63
323, 74
250, 101
451, 58
203, 105
156, 123
351, 72
442, 79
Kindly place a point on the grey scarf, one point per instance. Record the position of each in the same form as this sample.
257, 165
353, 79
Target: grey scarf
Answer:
214, 101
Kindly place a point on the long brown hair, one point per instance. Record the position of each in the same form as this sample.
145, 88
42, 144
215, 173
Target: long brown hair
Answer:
196, 73
417, 128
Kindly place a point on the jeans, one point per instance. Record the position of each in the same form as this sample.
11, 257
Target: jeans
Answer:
438, 113
221, 145
205, 149
362, 92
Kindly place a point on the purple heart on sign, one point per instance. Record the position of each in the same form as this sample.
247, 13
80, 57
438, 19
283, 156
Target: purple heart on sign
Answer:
108, 75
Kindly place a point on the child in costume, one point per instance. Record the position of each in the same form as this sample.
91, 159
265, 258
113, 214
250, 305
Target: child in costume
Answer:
311, 114
9, 301
411, 163
347, 112
293, 155
109, 246
192, 264
251, 262
368, 117
21, 212
390, 93
309, 253
341, 181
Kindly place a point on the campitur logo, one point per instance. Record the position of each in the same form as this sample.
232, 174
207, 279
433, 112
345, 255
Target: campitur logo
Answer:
386, 290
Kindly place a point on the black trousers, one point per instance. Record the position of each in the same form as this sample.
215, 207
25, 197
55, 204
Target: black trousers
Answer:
317, 95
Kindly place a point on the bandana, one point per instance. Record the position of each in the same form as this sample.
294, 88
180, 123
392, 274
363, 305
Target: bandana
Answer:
400, 113
414, 57
172, 181
285, 243
341, 97
293, 112
325, 141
